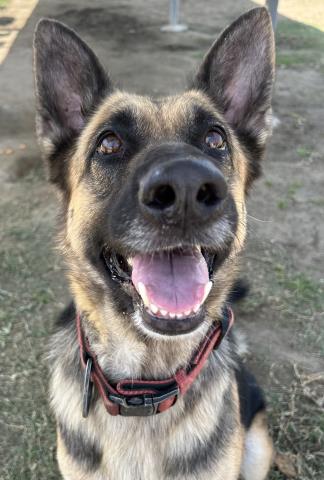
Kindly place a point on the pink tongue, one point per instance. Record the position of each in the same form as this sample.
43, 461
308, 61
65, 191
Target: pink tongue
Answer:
174, 282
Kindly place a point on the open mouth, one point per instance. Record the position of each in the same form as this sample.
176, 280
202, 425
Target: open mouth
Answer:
169, 287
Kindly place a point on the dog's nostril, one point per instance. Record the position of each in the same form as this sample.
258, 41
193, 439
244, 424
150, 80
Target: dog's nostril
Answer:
207, 194
164, 197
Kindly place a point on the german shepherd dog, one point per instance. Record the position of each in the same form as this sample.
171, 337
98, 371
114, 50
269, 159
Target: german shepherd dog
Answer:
145, 383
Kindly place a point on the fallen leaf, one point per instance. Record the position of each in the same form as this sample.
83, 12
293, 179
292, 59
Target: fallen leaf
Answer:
285, 462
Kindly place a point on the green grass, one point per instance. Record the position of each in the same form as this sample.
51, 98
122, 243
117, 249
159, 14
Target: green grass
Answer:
293, 188
301, 290
29, 299
290, 195
292, 59
298, 45
282, 204
304, 152
298, 36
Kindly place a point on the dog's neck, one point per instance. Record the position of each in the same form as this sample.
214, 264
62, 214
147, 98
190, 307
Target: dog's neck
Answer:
132, 354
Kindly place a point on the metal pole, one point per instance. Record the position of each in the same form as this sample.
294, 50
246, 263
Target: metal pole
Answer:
174, 14
272, 6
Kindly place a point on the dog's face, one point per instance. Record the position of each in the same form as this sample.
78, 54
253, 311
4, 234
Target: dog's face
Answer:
153, 192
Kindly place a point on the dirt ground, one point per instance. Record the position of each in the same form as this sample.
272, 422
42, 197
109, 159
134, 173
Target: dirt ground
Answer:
283, 316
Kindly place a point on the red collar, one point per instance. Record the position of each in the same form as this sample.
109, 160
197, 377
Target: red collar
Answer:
146, 397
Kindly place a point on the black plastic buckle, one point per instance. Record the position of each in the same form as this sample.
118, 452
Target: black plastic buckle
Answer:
141, 405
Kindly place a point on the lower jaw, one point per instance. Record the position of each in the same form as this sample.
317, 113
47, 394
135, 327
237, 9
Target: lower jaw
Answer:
171, 326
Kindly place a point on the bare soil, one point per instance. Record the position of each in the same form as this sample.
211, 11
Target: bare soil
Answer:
283, 316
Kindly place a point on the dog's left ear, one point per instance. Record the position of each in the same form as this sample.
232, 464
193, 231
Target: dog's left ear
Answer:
238, 72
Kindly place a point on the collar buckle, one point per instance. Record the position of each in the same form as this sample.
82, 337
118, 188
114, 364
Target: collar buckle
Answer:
143, 405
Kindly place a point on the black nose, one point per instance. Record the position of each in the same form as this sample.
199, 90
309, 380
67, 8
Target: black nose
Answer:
183, 190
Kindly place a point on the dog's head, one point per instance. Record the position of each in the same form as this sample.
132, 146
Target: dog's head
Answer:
153, 191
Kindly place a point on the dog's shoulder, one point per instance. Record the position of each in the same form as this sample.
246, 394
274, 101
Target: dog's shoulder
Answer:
251, 397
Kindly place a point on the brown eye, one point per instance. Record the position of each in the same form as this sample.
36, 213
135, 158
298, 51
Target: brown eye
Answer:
215, 139
110, 144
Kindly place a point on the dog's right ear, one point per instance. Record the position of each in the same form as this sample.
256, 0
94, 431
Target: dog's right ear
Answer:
70, 83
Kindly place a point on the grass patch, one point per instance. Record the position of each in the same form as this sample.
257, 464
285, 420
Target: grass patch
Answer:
304, 152
297, 420
300, 290
282, 204
293, 188
290, 196
298, 35
298, 44
291, 59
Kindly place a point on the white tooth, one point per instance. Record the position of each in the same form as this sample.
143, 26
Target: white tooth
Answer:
208, 287
130, 261
153, 308
196, 308
187, 313
163, 313
143, 293
179, 315
172, 315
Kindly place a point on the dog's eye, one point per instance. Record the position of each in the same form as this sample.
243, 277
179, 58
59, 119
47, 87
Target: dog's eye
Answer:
110, 144
215, 139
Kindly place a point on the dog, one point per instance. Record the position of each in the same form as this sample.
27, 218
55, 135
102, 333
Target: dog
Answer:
146, 378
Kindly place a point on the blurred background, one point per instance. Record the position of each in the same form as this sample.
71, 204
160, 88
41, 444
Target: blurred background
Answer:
283, 315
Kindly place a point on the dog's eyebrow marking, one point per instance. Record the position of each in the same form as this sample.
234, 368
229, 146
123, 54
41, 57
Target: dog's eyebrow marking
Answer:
210, 451
125, 121
201, 118
83, 450
203, 115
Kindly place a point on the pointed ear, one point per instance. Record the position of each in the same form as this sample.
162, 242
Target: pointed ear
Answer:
238, 72
70, 82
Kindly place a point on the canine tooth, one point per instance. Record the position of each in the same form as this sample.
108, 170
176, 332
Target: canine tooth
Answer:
143, 293
207, 290
154, 309
163, 313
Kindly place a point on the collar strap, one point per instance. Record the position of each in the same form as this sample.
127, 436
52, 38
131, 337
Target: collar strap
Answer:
145, 397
